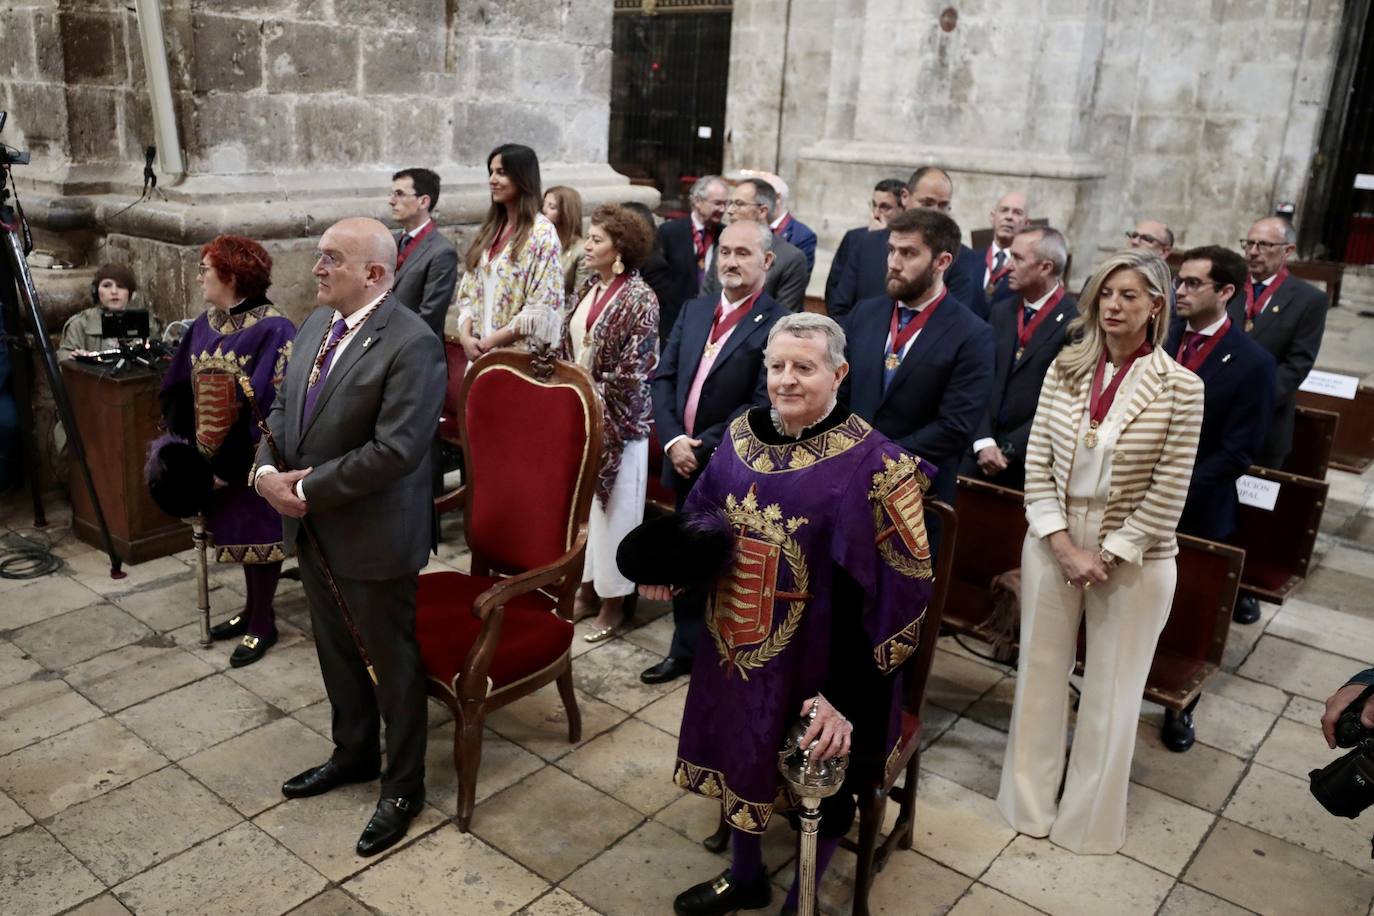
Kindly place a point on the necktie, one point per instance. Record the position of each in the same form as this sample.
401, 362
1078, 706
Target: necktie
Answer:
904, 318
401, 242
997, 261
1192, 342
312, 394
1030, 314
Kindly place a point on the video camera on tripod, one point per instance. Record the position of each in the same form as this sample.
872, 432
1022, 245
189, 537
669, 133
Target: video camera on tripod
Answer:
25, 334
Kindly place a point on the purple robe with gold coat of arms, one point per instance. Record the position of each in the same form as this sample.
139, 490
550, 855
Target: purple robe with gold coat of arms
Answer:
204, 404
813, 518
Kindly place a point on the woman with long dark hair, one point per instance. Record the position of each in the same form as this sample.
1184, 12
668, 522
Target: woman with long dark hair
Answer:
240, 333
512, 291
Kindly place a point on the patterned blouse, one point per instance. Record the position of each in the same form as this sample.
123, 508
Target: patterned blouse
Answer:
622, 358
523, 291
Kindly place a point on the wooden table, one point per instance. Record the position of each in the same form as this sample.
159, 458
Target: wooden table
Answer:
118, 415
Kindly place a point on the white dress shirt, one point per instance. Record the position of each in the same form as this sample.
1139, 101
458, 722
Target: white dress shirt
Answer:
1036, 306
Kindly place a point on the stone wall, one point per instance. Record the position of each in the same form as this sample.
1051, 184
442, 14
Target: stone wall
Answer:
1204, 114
292, 113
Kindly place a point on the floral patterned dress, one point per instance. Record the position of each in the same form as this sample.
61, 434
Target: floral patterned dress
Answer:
521, 290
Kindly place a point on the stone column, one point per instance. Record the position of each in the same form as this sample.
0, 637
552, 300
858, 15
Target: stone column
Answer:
292, 114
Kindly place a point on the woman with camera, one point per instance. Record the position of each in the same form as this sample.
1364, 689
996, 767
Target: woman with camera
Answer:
1107, 469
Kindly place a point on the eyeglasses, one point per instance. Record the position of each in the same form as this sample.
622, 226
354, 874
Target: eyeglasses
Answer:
737, 203
1144, 237
327, 260
1193, 284
1261, 244
400, 195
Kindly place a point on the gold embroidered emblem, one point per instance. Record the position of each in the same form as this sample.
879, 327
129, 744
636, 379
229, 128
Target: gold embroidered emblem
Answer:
741, 612
799, 455
279, 367
214, 389
898, 503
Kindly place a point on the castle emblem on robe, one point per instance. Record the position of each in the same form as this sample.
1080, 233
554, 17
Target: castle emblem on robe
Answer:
741, 618
214, 386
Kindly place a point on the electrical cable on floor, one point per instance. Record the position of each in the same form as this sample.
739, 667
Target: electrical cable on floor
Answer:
29, 558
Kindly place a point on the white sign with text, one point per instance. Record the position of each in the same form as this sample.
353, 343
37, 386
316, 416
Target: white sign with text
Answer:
1331, 384
1257, 492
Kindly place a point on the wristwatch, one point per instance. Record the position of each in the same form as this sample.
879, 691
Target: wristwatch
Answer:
1109, 559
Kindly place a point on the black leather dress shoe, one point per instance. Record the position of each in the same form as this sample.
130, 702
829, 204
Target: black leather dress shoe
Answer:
251, 649
666, 670
319, 780
1247, 609
388, 824
234, 626
1178, 733
723, 895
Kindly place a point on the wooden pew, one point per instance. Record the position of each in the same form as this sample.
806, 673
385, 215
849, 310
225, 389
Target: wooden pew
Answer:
1353, 447
1191, 645
1278, 543
457, 360
1314, 436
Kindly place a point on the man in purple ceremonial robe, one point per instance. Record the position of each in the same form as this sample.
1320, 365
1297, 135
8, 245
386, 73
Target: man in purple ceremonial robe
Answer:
821, 605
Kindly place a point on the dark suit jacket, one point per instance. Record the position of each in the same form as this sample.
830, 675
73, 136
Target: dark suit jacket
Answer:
800, 235
426, 280
675, 237
656, 273
737, 381
1238, 402
865, 277
848, 244
939, 393
1290, 328
370, 495
1016, 383
786, 281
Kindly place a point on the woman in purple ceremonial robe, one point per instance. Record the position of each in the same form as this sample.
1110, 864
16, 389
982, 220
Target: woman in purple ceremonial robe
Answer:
241, 333
822, 602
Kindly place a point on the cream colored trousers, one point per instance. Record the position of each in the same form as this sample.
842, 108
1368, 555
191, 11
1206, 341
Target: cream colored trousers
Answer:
1124, 619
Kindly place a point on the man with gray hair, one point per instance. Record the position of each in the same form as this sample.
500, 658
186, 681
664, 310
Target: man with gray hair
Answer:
710, 372
754, 200
1028, 329
686, 242
826, 575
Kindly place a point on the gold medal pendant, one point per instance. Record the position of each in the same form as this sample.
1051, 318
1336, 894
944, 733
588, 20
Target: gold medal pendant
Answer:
892, 361
1090, 439
1249, 325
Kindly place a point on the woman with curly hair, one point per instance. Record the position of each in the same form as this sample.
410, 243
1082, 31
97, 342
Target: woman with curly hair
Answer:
240, 333
613, 333
512, 291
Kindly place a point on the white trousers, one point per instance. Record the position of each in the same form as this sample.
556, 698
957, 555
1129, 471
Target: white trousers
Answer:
607, 527
1124, 619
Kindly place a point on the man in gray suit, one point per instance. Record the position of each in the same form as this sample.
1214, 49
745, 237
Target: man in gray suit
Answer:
355, 419
754, 199
426, 261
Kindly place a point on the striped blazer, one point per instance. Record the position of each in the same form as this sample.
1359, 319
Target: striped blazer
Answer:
1151, 466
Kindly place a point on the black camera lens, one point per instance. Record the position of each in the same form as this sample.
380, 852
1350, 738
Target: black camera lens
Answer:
1345, 786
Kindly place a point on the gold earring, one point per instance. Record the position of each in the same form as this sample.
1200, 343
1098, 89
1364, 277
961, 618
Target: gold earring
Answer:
618, 267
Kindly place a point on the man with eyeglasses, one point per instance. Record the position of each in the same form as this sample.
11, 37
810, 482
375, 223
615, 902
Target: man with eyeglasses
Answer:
426, 261
864, 274
885, 203
354, 419
1238, 378
754, 200
686, 242
1283, 314
1152, 235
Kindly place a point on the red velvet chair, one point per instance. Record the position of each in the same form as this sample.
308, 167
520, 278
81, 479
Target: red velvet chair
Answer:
503, 631
448, 420
873, 802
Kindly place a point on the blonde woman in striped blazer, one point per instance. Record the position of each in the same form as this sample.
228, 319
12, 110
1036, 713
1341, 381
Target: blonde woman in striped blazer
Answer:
1107, 470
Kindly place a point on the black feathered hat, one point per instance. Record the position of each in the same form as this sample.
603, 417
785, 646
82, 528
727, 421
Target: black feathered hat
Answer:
687, 550
179, 478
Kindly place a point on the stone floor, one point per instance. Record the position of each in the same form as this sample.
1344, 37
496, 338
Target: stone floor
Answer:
139, 774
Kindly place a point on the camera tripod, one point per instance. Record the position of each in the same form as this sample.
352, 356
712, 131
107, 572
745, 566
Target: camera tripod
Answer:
23, 320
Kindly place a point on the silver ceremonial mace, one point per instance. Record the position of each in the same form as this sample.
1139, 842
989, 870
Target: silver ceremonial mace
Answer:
202, 577
810, 781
